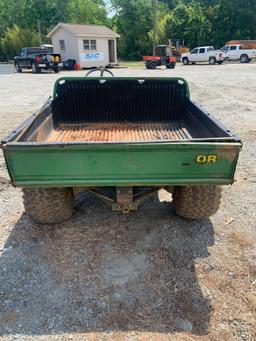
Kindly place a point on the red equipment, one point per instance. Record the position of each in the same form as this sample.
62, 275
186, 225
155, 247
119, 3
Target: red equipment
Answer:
162, 57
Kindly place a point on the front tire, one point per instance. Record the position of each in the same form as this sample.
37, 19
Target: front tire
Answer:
171, 65
18, 68
220, 62
185, 61
56, 69
196, 202
35, 68
48, 205
147, 65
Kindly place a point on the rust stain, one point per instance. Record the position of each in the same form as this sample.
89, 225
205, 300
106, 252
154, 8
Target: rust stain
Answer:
228, 154
120, 132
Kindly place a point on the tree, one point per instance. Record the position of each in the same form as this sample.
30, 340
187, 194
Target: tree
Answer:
189, 22
87, 12
24, 15
197, 22
162, 34
15, 38
233, 19
133, 21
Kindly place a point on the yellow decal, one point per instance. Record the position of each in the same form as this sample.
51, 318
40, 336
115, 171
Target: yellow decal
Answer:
206, 158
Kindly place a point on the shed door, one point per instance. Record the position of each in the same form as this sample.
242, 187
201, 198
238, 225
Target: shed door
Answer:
111, 51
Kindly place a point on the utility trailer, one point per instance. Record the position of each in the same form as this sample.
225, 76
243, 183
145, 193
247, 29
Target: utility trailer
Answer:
121, 139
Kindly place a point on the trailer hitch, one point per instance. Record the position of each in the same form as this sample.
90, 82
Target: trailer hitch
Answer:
123, 198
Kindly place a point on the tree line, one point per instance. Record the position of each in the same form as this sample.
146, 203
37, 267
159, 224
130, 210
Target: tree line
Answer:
196, 22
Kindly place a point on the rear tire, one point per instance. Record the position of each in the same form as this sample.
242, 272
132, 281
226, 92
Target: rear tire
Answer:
196, 202
56, 69
48, 205
185, 61
153, 65
244, 59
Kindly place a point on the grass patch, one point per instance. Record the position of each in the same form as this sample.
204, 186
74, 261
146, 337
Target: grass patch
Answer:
132, 64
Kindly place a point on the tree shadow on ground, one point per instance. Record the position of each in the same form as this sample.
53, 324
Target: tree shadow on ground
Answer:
103, 271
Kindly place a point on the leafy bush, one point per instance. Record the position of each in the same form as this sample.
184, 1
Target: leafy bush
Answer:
15, 38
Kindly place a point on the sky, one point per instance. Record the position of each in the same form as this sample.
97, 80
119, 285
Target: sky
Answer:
111, 12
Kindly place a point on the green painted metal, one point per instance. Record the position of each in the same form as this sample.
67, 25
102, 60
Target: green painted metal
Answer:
120, 78
150, 164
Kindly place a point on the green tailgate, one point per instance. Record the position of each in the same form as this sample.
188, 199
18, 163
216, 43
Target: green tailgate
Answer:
121, 164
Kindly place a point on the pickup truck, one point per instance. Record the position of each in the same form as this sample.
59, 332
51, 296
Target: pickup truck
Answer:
202, 54
121, 139
37, 59
237, 52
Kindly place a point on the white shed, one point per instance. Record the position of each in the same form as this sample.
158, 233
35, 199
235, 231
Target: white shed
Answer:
89, 45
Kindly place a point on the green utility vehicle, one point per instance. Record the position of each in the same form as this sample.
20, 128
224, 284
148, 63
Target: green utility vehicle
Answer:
121, 139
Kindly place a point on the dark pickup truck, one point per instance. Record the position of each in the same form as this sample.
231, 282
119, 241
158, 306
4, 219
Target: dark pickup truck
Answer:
37, 58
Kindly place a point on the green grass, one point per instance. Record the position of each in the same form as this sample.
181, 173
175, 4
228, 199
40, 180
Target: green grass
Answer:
132, 63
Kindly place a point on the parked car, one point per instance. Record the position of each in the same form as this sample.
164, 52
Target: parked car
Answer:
120, 139
202, 54
237, 52
37, 59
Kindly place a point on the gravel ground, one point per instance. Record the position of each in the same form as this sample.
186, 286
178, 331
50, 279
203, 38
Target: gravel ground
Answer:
148, 275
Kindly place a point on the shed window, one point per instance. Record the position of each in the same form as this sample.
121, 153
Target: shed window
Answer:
93, 45
86, 44
62, 45
89, 44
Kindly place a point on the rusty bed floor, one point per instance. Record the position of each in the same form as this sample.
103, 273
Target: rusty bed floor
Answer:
119, 132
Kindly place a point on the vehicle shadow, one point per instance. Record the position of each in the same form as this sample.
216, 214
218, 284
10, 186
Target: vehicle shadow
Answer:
102, 271
202, 64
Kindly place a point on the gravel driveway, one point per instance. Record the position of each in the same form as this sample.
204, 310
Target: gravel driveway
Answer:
149, 275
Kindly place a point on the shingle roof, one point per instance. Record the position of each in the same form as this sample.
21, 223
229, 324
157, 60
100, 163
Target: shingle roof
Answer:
85, 30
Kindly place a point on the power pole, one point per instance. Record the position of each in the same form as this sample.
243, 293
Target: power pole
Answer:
154, 26
39, 31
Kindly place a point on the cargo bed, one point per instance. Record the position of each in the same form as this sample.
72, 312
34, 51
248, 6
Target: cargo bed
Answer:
118, 111
119, 132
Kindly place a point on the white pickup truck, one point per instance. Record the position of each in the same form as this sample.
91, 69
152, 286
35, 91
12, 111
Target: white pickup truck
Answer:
237, 52
203, 54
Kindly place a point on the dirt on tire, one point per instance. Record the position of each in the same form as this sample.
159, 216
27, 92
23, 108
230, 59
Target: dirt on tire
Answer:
48, 205
196, 202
